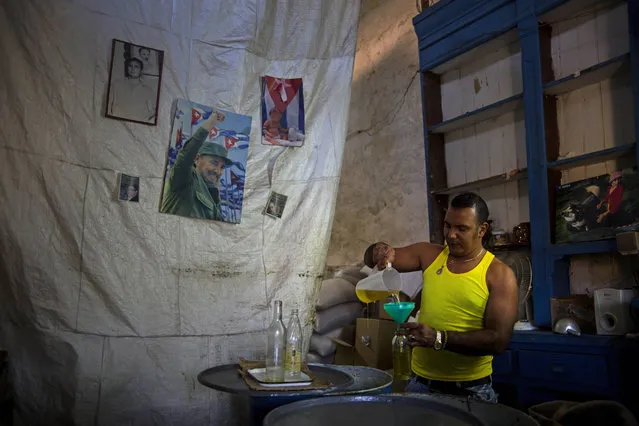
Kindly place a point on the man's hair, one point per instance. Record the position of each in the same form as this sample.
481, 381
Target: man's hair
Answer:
469, 200
368, 256
144, 48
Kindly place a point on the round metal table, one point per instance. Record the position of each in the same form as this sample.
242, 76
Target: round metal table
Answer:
345, 380
397, 409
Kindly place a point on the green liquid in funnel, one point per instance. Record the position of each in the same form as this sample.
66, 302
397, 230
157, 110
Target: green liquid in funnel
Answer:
399, 311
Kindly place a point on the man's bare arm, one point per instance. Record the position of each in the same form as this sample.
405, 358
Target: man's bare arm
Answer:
411, 258
183, 167
499, 318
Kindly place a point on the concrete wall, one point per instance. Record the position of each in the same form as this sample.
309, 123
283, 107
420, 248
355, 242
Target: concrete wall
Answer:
382, 192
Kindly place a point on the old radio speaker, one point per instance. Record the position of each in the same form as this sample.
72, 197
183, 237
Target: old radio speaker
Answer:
612, 311
628, 243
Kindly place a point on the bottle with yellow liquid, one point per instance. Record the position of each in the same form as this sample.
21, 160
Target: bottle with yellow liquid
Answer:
293, 360
401, 350
401, 358
380, 285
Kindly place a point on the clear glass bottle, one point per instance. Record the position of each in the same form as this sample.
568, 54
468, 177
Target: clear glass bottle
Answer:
293, 366
276, 345
401, 358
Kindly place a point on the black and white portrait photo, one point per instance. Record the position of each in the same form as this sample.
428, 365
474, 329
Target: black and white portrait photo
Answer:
134, 83
129, 188
275, 205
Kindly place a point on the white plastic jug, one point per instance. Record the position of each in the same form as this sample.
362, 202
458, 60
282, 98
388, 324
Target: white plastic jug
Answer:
379, 285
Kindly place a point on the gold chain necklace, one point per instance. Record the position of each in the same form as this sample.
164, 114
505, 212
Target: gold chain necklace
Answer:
441, 268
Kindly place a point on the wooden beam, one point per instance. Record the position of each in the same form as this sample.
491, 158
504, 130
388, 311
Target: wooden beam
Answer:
435, 155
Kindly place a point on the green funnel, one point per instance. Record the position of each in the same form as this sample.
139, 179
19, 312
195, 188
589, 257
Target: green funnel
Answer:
399, 310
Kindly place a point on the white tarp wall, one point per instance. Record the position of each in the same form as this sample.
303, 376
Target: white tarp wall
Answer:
108, 309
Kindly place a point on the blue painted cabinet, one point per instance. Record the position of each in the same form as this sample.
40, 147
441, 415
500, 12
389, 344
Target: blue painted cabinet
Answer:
460, 31
538, 365
541, 366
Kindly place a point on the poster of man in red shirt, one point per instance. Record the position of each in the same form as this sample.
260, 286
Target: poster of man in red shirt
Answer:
597, 208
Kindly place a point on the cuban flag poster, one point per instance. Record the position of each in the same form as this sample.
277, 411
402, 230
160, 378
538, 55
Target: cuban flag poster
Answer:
282, 111
204, 179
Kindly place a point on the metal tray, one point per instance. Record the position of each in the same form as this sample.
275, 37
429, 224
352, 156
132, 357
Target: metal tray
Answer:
226, 378
259, 374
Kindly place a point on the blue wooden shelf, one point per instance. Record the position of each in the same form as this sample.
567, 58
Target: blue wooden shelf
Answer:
513, 176
509, 40
541, 366
593, 157
451, 33
554, 11
589, 247
478, 115
586, 77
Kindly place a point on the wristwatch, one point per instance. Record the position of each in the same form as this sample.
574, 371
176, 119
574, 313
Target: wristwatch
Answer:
437, 345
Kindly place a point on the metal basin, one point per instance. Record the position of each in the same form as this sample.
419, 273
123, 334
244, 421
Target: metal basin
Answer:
377, 410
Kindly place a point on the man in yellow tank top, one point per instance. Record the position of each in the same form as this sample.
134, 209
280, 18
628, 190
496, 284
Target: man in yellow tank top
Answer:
468, 303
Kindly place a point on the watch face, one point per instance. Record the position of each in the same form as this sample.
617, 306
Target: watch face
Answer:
437, 345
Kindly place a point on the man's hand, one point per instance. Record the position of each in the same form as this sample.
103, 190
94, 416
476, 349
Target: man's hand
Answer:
404, 259
215, 118
418, 334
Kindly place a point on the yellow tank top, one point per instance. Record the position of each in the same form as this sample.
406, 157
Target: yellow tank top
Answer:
453, 302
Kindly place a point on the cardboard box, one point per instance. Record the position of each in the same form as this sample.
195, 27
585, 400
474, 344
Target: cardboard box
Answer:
373, 342
376, 310
579, 307
345, 352
382, 312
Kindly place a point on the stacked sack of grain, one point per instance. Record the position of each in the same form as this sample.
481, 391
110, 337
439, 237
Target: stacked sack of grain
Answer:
337, 308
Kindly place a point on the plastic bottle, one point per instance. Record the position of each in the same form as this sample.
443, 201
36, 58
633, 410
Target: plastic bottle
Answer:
293, 365
276, 346
401, 358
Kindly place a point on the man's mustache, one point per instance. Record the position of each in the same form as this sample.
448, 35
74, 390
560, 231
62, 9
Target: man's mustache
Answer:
212, 173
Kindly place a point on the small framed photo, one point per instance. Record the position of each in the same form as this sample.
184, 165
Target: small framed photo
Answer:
275, 205
129, 188
135, 76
